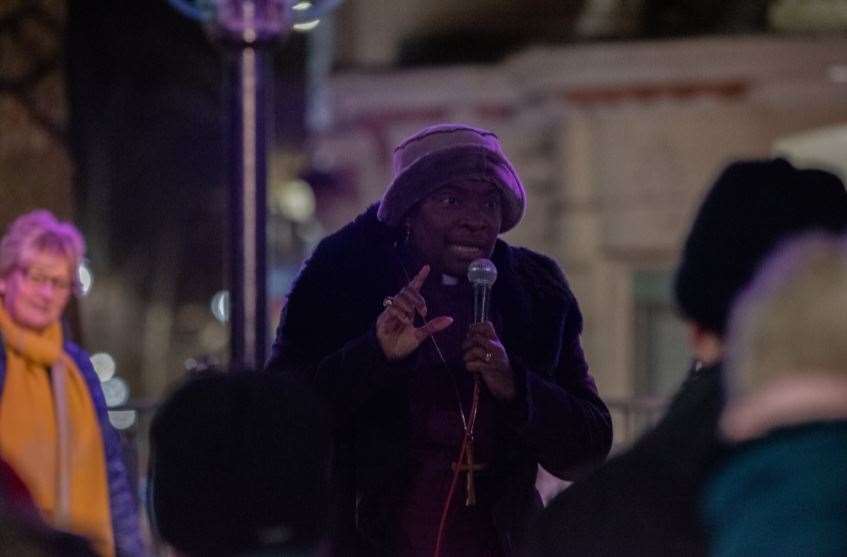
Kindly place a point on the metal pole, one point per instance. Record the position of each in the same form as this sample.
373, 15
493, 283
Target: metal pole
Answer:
248, 28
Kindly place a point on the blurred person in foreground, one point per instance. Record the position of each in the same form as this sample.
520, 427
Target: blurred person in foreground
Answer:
22, 531
381, 323
644, 501
240, 466
783, 491
54, 426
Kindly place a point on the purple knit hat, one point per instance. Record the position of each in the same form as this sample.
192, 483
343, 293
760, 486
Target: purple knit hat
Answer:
439, 154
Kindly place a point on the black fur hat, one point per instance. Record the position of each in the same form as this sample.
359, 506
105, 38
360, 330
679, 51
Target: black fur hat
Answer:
753, 206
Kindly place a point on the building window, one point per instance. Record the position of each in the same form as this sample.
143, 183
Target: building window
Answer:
662, 357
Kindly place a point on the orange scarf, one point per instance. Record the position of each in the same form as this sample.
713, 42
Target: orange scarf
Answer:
50, 434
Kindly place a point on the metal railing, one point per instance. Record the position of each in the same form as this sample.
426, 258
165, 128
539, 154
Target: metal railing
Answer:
632, 416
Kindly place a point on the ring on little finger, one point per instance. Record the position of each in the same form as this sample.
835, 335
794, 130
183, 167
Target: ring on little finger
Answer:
387, 301
488, 356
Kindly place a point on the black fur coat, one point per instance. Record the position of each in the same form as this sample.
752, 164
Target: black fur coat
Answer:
326, 338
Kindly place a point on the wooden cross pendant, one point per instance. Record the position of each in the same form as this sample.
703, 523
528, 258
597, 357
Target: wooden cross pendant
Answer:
468, 466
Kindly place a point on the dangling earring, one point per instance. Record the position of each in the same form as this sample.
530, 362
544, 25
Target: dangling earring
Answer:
402, 243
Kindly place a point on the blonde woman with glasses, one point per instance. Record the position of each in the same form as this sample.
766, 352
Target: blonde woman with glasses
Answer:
54, 427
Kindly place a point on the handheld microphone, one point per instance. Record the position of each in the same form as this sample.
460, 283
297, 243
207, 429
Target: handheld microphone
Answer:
481, 274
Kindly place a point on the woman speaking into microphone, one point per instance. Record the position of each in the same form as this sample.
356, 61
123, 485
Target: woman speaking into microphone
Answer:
440, 420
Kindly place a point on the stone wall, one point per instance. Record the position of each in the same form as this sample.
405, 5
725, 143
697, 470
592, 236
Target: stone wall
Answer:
615, 142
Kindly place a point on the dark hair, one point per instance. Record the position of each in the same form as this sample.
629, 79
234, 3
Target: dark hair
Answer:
752, 207
239, 461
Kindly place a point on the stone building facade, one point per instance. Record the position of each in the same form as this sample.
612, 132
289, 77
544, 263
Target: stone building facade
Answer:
616, 143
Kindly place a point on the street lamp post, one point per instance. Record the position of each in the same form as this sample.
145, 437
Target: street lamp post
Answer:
248, 29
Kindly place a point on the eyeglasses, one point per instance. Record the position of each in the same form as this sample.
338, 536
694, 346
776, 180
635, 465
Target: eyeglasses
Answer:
38, 278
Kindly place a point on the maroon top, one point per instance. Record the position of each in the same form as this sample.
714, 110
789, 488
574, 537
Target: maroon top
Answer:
436, 434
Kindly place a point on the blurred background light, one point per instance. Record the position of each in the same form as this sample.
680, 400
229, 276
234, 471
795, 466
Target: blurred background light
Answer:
220, 306
85, 278
122, 419
204, 10
116, 392
295, 200
306, 26
104, 365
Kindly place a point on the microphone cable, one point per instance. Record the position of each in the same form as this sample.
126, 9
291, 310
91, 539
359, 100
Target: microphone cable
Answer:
468, 439
469, 426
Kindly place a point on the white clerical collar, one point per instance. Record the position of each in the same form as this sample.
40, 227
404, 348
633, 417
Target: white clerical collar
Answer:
448, 280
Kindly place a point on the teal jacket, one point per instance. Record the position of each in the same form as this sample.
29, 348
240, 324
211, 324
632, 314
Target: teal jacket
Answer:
782, 495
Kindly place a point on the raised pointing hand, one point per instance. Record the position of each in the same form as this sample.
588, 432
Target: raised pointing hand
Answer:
395, 329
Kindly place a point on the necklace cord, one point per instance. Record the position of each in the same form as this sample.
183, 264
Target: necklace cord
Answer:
468, 424
468, 438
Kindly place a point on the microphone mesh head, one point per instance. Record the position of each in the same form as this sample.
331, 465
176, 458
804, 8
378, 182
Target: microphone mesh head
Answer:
482, 272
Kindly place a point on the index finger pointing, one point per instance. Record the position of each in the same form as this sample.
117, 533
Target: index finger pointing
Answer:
419, 279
